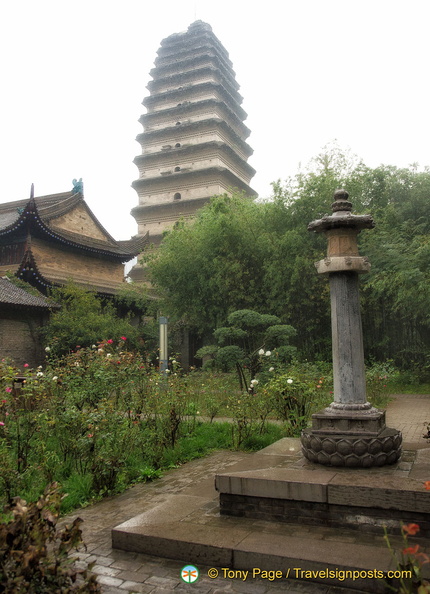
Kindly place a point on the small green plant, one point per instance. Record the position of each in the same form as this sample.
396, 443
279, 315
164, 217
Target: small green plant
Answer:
293, 400
34, 555
378, 378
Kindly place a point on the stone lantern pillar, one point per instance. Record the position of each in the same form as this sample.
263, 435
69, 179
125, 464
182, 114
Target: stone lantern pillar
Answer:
350, 432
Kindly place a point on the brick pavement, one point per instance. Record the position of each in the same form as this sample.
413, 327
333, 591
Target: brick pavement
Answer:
120, 572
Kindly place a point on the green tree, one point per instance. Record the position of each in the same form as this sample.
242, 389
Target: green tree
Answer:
83, 320
249, 338
213, 265
239, 254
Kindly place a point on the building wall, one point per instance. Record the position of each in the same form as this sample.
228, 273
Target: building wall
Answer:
19, 338
60, 264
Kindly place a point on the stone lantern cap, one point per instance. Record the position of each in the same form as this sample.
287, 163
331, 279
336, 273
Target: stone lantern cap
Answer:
342, 228
342, 216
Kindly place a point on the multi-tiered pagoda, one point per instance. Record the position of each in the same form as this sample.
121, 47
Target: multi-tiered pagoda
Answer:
194, 139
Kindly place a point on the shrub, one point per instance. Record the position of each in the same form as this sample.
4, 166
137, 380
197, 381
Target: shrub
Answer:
34, 555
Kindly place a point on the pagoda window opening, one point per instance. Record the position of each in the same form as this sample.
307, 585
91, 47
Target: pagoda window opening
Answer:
177, 196
177, 145
177, 169
178, 124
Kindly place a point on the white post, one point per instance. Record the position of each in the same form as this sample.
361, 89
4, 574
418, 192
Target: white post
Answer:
163, 343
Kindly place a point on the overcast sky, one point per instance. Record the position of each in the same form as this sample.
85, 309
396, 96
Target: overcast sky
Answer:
73, 75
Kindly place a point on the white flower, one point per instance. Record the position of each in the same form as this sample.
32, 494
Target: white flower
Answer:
167, 370
54, 378
94, 346
271, 369
47, 349
174, 361
289, 381
268, 353
254, 382
39, 374
40, 367
100, 350
261, 352
109, 355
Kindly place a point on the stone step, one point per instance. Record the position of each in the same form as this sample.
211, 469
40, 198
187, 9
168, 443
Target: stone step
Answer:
186, 524
189, 528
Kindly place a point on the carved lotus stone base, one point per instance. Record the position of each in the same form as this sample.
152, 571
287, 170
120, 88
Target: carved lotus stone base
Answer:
359, 451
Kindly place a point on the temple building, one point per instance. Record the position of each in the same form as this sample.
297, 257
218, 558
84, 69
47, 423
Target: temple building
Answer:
50, 240
194, 138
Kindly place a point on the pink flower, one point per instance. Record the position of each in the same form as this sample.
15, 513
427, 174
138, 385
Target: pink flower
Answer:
110, 341
25, 364
90, 434
8, 390
123, 338
1, 424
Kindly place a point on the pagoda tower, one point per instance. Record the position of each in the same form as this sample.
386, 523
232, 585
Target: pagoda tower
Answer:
194, 139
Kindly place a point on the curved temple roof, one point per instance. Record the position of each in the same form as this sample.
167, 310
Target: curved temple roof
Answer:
11, 295
40, 214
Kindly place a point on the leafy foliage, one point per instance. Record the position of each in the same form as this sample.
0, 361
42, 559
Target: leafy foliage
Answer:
83, 320
34, 555
240, 254
100, 419
243, 342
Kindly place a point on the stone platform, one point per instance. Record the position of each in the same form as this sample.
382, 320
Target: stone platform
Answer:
358, 499
187, 524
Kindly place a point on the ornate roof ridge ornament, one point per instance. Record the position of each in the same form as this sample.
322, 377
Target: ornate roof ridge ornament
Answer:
342, 216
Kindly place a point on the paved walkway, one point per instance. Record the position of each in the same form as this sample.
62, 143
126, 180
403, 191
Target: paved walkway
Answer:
120, 572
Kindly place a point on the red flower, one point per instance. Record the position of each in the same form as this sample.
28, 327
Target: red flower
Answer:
427, 485
25, 364
411, 550
410, 529
123, 338
110, 341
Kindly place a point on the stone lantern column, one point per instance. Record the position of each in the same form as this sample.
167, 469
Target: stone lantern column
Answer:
350, 432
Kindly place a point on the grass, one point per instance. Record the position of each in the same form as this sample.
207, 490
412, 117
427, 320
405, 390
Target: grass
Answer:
200, 441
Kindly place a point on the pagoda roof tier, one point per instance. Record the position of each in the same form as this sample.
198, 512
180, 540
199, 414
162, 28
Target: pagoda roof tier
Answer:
185, 92
189, 61
182, 57
191, 109
164, 183
177, 156
42, 216
211, 69
175, 207
198, 33
211, 123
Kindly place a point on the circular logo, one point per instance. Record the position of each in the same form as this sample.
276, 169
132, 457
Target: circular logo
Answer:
189, 574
